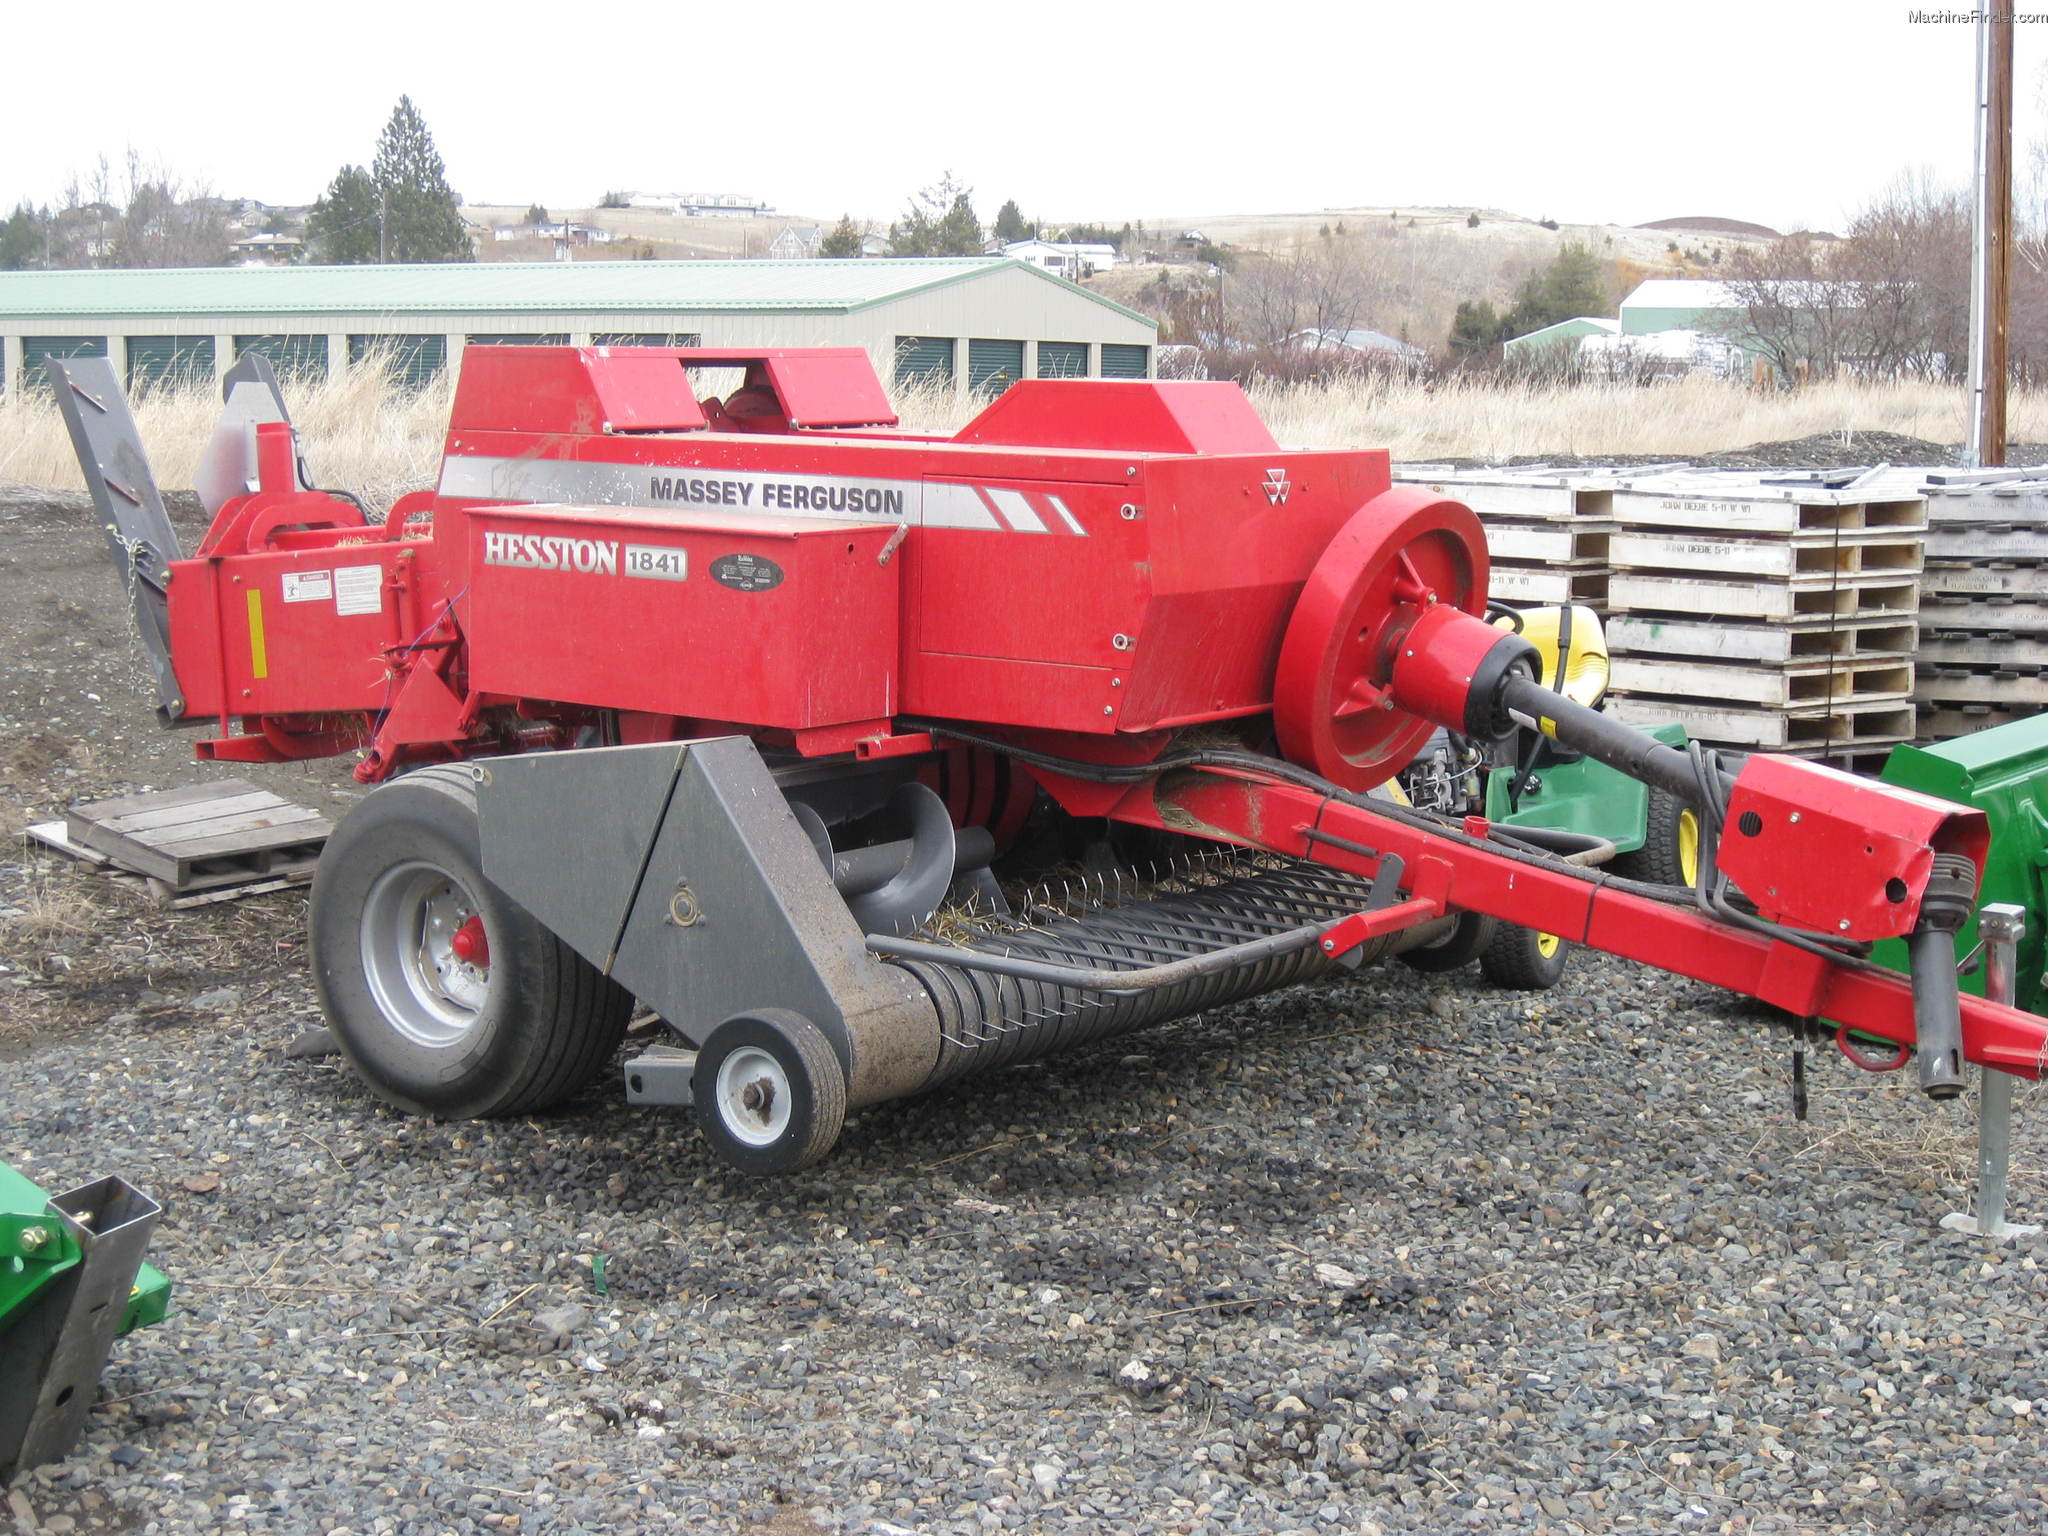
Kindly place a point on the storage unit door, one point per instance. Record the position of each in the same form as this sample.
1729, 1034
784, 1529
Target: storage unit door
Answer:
924, 359
993, 366
1125, 362
414, 361
36, 348
646, 339
518, 338
291, 357
1063, 359
169, 362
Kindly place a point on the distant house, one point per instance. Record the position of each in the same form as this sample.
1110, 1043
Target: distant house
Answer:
1066, 259
796, 243
874, 245
1663, 354
562, 231
1359, 344
265, 250
1559, 340
714, 205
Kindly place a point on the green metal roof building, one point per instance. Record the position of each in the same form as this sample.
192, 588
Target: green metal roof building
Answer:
1563, 336
972, 322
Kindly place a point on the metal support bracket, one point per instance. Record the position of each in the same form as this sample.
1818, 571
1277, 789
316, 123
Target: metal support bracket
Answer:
2002, 926
52, 1354
661, 1074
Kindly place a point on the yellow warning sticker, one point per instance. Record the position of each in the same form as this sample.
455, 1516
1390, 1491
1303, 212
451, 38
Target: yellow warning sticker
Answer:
259, 656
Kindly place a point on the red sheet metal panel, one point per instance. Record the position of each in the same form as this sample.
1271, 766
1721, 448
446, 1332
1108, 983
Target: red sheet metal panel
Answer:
783, 623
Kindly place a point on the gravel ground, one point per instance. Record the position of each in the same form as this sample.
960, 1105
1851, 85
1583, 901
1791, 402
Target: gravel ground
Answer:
1400, 1254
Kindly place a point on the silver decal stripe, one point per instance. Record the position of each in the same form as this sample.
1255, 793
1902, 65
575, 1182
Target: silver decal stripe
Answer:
1016, 511
694, 488
1073, 523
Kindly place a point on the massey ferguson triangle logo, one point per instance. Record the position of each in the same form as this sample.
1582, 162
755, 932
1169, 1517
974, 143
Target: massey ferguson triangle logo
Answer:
1275, 486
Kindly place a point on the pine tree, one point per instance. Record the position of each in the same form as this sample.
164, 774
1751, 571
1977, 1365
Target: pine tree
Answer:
342, 228
21, 239
1011, 223
420, 218
1475, 327
536, 214
940, 221
843, 242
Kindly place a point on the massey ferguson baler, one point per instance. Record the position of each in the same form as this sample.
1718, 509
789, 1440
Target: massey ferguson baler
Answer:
752, 709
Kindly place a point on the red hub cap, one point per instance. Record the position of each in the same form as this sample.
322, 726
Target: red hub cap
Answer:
1403, 552
470, 945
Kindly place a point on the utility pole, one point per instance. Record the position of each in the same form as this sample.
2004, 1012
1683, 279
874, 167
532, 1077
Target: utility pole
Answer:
1991, 245
383, 219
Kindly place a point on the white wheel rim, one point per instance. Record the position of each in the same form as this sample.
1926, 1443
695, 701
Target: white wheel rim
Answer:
427, 992
753, 1097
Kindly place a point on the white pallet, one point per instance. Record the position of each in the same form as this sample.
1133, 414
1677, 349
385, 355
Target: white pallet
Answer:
1544, 585
1800, 561
1861, 597
1643, 635
1848, 724
1812, 512
2019, 582
1775, 687
1556, 543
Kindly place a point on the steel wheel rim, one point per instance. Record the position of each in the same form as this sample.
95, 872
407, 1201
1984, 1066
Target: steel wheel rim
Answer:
426, 992
752, 1095
1689, 845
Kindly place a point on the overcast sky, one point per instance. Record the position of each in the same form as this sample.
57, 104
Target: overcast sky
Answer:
1787, 112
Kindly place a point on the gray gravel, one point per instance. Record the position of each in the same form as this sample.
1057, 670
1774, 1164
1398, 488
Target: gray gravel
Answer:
1401, 1255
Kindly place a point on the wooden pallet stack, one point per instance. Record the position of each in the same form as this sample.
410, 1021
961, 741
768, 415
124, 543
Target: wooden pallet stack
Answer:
1547, 530
1775, 616
1983, 656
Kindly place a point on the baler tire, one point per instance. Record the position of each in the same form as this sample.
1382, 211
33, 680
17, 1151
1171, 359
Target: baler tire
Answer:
1671, 843
1461, 946
801, 1120
1523, 960
536, 1025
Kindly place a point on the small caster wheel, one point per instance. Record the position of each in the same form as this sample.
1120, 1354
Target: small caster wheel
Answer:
1524, 960
1462, 945
769, 1092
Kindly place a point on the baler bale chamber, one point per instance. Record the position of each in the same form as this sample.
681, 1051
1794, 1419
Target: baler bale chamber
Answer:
868, 759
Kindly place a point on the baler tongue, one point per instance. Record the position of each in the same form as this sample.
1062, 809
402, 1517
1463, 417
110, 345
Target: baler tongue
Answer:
2002, 772
130, 509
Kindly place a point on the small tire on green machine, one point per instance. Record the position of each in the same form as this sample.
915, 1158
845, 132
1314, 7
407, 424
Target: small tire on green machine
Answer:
1523, 959
769, 1092
1671, 843
1461, 946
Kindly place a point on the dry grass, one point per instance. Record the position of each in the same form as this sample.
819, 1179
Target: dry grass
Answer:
362, 434
359, 433
1467, 417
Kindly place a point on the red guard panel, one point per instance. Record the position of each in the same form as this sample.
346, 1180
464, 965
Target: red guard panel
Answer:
1803, 840
779, 622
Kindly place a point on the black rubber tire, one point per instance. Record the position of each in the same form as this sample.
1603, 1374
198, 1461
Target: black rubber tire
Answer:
549, 1021
1659, 860
1461, 946
1515, 960
817, 1091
